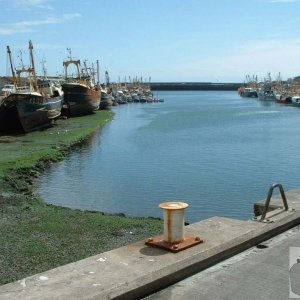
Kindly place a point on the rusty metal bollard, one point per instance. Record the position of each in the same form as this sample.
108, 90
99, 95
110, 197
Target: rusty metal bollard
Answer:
174, 238
173, 221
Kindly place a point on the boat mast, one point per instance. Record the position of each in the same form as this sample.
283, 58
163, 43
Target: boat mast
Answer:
11, 65
98, 74
70, 53
85, 71
21, 60
106, 79
32, 70
44, 68
93, 74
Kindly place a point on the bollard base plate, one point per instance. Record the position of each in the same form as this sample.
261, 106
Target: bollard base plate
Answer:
159, 242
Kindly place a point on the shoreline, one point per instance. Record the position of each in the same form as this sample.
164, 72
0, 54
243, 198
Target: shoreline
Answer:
36, 236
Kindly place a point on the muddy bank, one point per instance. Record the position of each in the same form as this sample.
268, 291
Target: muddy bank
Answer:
35, 236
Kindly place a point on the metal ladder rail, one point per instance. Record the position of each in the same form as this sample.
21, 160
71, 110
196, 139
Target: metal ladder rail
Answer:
273, 186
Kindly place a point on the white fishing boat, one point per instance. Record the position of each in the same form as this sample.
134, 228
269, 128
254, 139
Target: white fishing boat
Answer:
296, 100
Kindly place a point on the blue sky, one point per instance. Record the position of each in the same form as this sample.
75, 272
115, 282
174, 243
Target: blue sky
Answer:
167, 40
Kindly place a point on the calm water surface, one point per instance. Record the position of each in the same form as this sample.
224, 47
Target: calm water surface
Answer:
214, 150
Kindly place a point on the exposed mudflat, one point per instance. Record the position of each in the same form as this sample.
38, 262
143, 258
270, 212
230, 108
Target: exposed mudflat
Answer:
35, 236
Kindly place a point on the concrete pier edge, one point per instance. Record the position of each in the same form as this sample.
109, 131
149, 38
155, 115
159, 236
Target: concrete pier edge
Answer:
137, 270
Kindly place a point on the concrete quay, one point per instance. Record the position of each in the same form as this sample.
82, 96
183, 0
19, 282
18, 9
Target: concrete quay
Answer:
260, 273
137, 270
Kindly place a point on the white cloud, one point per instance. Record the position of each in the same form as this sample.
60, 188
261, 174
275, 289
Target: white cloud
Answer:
71, 16
31, 4
30, 26
253, 58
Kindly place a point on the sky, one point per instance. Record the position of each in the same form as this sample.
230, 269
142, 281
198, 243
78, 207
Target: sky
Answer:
157, 40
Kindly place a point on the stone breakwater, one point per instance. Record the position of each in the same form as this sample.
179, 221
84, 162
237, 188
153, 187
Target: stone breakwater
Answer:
194, 86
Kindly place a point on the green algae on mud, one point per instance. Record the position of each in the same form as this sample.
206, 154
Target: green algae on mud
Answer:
35, 236
25, 151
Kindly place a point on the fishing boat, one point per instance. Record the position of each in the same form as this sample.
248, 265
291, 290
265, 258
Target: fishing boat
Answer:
106, 92
106, 99
247, 92
32, 103
120, 97
81, 95
266, 95
284, 99
296, 100
135, 97
249, 88
266, 92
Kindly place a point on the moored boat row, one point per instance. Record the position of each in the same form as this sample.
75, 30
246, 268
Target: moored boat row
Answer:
30, 102
284, 92
133, 95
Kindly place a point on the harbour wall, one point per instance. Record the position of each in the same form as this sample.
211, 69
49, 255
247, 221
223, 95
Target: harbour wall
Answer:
194, 86
170, 86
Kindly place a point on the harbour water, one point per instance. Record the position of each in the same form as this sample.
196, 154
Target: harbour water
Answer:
214, 150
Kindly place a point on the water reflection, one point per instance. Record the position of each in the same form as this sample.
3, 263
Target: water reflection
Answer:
213, 150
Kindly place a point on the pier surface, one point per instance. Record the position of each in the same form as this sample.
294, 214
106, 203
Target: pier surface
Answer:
259, 273
137, 270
